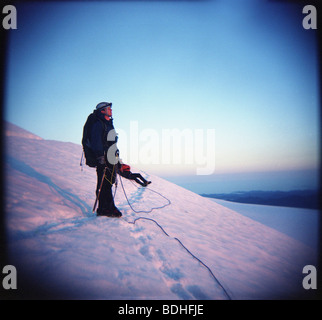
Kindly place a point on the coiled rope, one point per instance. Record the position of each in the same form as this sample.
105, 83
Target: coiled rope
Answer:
142, 211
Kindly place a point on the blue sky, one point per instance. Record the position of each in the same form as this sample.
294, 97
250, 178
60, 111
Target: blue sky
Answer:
246, 69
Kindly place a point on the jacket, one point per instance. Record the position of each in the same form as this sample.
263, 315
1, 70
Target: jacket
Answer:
100, 131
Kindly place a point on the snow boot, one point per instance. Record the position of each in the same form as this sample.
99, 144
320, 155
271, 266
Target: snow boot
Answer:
114, 213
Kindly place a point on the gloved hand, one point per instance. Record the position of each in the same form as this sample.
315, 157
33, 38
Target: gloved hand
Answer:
125, 167
101, 160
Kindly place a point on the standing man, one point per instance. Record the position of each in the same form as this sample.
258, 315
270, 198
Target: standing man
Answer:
102, 139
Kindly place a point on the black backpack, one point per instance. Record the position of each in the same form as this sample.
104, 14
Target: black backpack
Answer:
90, 158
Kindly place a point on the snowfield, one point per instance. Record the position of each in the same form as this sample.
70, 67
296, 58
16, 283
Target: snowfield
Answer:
194, 248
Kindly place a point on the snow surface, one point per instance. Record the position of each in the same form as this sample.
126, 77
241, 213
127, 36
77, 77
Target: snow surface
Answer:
64, 248
300, 224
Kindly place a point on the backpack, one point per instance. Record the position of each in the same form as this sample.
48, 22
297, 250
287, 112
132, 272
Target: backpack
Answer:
90, 158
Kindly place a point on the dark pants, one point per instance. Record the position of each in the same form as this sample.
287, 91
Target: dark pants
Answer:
105, 200
134, 176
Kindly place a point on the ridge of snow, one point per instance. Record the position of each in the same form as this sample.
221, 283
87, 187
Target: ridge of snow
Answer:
55, 238
15, 131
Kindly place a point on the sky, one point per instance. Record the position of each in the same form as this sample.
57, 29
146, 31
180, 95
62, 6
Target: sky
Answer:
200, 89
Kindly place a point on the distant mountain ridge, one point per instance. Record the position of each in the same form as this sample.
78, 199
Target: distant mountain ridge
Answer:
308, 199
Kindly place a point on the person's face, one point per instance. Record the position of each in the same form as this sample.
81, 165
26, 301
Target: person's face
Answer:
108, 111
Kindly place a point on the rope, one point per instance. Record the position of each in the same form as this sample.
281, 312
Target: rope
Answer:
150, 219
142, 211
226, 293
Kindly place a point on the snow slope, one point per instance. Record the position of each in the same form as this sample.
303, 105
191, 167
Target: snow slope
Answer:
298, 223
68, 252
